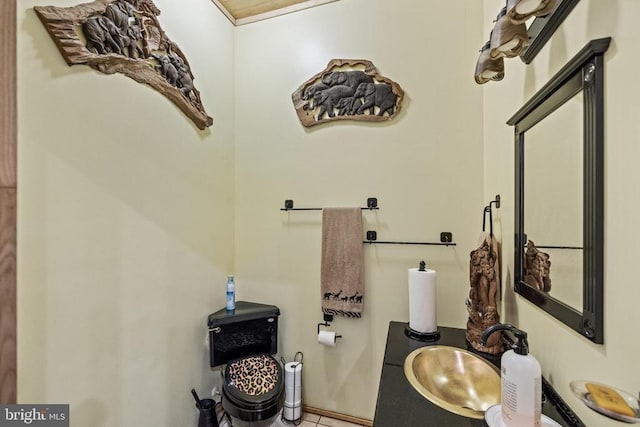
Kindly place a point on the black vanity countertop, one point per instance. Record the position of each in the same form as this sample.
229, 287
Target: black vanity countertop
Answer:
399, 405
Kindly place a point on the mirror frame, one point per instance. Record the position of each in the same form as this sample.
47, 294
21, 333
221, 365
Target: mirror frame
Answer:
584, 72
543, 27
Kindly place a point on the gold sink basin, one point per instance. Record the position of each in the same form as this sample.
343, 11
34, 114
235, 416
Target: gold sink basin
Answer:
454, 379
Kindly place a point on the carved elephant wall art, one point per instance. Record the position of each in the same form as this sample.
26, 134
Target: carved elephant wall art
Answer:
347, 89
380, 95
309, 92
348, 105
118, 37
328, 99
99, 32
351, 78
166, 68
119, 13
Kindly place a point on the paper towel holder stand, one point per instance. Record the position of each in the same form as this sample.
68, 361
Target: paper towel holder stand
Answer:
327, 318
422, 336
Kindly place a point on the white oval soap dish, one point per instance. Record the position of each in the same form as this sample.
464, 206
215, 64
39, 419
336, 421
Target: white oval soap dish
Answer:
493, 417
607, 403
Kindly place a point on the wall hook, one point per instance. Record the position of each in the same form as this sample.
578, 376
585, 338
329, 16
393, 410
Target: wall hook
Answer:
495, 201
488, 210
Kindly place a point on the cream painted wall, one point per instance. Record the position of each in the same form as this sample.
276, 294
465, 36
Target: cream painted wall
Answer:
564, 355
425, 168
125, 227
129, 217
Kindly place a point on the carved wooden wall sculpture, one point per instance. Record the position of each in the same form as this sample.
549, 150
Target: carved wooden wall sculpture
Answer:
348, 89
482, 303
124, 36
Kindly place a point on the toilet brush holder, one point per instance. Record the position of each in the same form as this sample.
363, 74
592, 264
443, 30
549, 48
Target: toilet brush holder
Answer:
208, 417
207, 408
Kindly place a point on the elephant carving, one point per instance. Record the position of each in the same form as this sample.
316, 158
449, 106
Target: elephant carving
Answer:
116, 30
380, 95
118, 37
348, 105
119, 13
309, 92
167, 69
130, 41
100, 32
328, 99
347, 89
184, 81
351, 78
176, 60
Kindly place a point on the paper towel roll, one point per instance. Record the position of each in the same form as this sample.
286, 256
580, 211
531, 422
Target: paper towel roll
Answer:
422, 300
327, 338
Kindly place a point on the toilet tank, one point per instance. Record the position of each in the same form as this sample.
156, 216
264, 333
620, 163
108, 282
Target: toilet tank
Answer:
250, 329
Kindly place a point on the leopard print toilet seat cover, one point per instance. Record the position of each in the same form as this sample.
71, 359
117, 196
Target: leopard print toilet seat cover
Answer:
253, 375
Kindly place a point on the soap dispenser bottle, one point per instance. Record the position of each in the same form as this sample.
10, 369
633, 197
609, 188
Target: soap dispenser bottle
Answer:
521, 381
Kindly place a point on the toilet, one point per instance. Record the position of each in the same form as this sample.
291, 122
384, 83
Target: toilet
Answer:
244, 340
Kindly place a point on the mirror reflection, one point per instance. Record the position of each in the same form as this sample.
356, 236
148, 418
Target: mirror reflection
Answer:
553, 205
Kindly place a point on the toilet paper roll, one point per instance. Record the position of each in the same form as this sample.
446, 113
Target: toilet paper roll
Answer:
293, 395
327, 338
292, 412
293, 374
422, 300
293, 382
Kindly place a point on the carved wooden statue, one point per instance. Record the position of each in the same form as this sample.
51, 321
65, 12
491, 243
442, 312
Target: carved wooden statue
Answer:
482, 303
536, 268
348, 89
125, 36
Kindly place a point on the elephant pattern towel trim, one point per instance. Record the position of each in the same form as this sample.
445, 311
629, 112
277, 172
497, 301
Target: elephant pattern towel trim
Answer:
347, 89
125, 36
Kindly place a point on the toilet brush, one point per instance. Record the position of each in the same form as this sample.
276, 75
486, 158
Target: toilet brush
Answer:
195, 396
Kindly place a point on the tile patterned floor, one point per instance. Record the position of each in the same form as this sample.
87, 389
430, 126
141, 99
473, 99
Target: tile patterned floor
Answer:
311, 420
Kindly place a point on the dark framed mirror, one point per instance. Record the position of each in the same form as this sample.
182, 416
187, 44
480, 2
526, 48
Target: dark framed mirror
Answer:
559, 191
543, 27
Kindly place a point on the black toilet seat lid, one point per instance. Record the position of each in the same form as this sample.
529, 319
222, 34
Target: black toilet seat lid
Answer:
254, 376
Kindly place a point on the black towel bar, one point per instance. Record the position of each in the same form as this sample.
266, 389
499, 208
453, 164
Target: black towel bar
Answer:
372, 203
446, 239
558, 247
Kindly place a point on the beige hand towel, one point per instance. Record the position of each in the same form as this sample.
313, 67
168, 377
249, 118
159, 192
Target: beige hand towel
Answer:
342, 269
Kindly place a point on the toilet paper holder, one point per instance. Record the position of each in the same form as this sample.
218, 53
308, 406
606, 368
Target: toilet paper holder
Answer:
327, 318
292, 411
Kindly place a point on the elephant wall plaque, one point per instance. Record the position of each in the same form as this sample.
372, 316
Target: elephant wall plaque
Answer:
125, 36
347, 89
